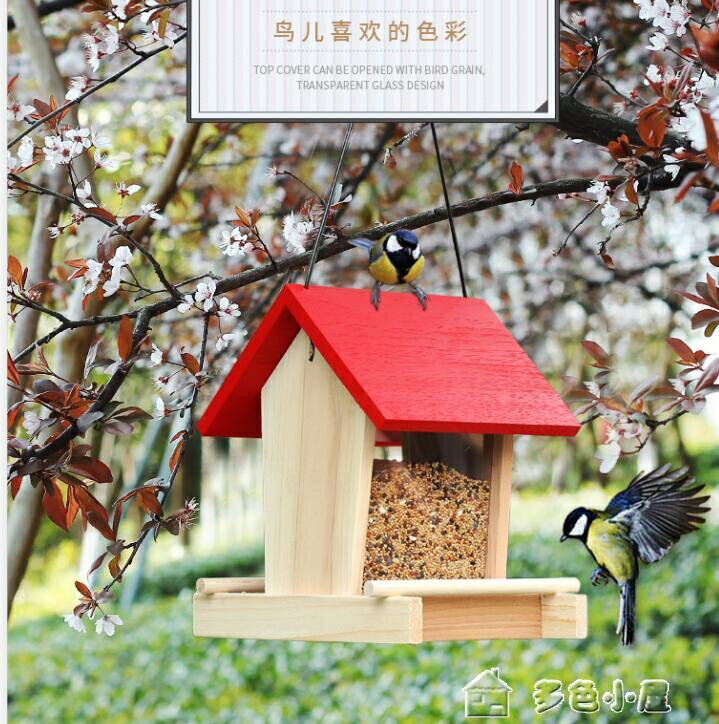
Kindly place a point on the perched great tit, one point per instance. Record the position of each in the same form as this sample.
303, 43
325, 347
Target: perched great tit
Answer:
396, 260
641, 523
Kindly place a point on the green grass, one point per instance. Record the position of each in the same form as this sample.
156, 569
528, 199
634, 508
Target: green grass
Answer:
153, 670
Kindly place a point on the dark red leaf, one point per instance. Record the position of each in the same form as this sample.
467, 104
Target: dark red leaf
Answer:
710, 130
630, 191
516, 174
116, 518
124, 339
114, 567
103, 214
687, 184
118, 427
706, 316
15, 485
12, 373
91, 468
72, 506
190, 362
12, 414
97, 563
681, 348
711, 373
99, 522
90, 505
15, 270
131, 413
83, 589
652, 125
596, 352
176, 455
147, 500
54, 506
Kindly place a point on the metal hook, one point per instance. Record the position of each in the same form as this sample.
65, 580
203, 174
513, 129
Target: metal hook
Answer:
448, 206
328, 204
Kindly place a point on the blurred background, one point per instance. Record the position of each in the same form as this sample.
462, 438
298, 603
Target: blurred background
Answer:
153, 669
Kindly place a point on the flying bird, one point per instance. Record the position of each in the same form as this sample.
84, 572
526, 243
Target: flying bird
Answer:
396, 260
639, 524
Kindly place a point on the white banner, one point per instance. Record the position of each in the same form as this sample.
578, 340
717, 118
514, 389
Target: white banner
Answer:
373, 60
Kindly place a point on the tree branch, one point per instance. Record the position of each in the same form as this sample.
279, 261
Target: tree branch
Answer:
339, 246
590, 124
186, 434
110, 79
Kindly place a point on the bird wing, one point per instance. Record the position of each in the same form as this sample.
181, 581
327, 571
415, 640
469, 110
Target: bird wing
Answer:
658, 508
361, 243
375, 248
376, 252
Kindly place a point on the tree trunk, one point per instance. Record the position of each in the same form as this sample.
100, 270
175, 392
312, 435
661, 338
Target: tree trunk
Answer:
25, 513
70, 356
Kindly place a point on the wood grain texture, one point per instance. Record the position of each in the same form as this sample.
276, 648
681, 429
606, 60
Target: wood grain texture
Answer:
564, 616
396, 619
471, 587
498, 458
487, 617
208, 586
318, 448
453, 368
308, 618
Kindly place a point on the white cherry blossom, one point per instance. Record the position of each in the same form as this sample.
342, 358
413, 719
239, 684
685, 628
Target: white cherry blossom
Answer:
106, 624
84, 194
156, 356
232, 243
159, 410
123, 190
122, 256
223, 341
150, 209
30, 422
17, 111
74, 622
92, 275
600, 190
658, 42
26, 151
186, 305
295, 232
610, 215
78, 85
204, 294
227, 309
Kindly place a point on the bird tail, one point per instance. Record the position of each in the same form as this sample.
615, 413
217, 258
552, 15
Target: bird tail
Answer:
627, 611
361, 243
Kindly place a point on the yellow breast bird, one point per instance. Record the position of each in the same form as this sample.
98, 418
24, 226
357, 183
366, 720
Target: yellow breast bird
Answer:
641, 523
396, 260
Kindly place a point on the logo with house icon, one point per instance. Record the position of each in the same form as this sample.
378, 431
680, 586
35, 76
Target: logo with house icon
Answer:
486, 696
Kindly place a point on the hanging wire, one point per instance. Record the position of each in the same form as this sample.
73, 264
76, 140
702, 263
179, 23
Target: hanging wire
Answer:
450, 218
328, 204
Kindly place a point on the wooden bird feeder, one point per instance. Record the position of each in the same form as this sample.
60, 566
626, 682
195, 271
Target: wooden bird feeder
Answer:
358, 550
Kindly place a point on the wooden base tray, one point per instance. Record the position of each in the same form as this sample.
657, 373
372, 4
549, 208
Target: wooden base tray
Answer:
440, 611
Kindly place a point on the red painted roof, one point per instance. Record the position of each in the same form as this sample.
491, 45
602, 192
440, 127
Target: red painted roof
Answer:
453, 368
